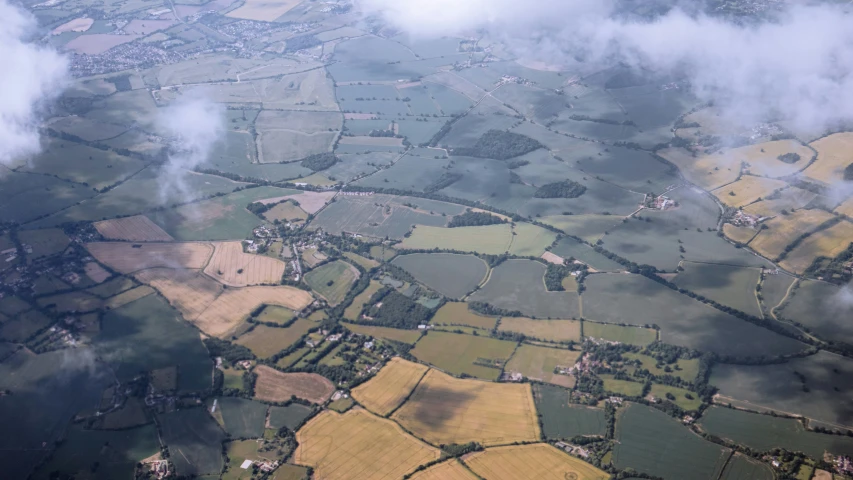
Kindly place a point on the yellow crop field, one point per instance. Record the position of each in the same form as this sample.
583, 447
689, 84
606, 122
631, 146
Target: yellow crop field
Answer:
763, 158
791, 198
539, 461
825, 243
707, 171
784, 229
548, 330
131, 295
390, 387
489, 239
234, 305
834, 154
138, 228
845, 208
446, 410
449, 470
234, 268
358, 445
747, 190
739, 234
263, 10
129, 257
188, 291
457, 313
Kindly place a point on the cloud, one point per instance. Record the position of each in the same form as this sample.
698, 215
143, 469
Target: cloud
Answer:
195, 124
842, 302
796, 67
31, 76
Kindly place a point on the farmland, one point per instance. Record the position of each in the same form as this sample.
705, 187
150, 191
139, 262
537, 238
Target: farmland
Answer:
545, 330
242, 418
783, 230
446, 410
618, 333
390, 387
359, 445
234, 305
449, 470
832, 158
747, 190
650, 441
477, 356
332, 281
489, 239
825, 243
520, 285
128, 257
138, 228
820, 307
453, 276
728, 285
290, 416
457, 313
275, 386
541, 363
266, 341
532, 461
374, 216
194, 440
404, 336
741, 467
685, 369
230, 266
563, 420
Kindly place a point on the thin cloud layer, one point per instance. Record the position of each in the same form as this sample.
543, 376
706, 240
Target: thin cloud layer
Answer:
31, 76
796, 68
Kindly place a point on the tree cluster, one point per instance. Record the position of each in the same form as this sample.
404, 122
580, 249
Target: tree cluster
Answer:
564, 189
319, 161
790, 157
396, 310
474, 219
500, 145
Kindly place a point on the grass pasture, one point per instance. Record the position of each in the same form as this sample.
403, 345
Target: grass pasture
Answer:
821, 308
127, 257
274, 314
364, 262
275, 386
266, 341
241, 450
230, 266
11, 305
112, 287
445, 410
377, 216
540, 363
24, 326
588, 227
332, 281
359, 445
618, 333
790, 199
488, 239
520, 285
194, 440
545, 330
621, 387
457, 313
45, 242
652, 442
71, 302
131, 295
530, 240
395, 334
390, 387
540, 461
680, 394
137, 228
453, 276
784, 229
262, 11
741, 467
739, 234
290, 416
242, 418
683, 368
727, 285
562, 420
825, 243
477, 356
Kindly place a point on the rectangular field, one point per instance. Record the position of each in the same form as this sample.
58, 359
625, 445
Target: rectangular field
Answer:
539, 461
390, 387
833, 156
784, 229
395, 334
194, 441
618, 333
137, 228
545, 330
489, 239
728, 285
541, 363
453, 276
446, 410
129, 257
562, 420
332, 281
685, 369
825, 243
275, 386
358, 445
748, 190
518, 284
230, 266
480, 357
266, 341
457, 313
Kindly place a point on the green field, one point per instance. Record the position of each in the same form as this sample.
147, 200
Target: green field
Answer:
488, 239
364, 262
11, 305
544, 330
764, 433
377, 216
240, 450
115, 452
275, 314
453, 276
290, 416
652, 442
266, 341
382, 253
194, 440
341, 405
587, 227
680, 395
621, 387
636, 300
398, 335
477, 356
773, 290
618, 333
569, 248
728, 285
332, 280
458, 314
354, 309
243, 418
49, 241
520, 285
530, 240
818, 306
24, 325
148, 334
112, 287
562, 420
683, 368
741, 467
540, 363
828, 383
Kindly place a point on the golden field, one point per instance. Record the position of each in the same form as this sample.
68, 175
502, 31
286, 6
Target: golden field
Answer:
825, 243
547, 330
539, 461
129, 257
834, 154
230, 266
747, 190
784, 229
390, 387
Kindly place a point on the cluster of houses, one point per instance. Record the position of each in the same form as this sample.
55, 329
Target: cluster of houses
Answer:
659, 202
513, 79
355, 194
741, 219
573, 449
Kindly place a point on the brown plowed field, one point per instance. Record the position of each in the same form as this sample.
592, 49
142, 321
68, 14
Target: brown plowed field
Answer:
138, 228
275, 386
234, 268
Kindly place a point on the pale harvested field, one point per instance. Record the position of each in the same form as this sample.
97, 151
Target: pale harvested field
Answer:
138, 228
748, 190
285, 212
548, 330
234, 305
311, 202
76, 25
707, 171
390, 387
123, 258
189, 291
489, 239
792, 198
446, 410
826, 243
739, 234
96, 272
366, 140
131, 295
784, 229
358, 116
531, 462
449, 470
97, 43
845, 208
834, 154
767, 164
263, 10
359, 446
275, 386
552, 258
234, 268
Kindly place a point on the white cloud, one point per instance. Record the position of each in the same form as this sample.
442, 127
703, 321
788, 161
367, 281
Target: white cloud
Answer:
30, 76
